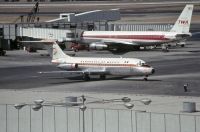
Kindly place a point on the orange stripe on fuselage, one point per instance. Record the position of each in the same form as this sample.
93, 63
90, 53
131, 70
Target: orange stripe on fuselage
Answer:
92, 64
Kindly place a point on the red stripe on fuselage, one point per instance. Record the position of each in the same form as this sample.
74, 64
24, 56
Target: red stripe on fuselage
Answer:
143, 37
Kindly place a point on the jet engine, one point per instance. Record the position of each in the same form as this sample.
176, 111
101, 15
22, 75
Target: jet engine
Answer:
98, 46
183, 36
68, 66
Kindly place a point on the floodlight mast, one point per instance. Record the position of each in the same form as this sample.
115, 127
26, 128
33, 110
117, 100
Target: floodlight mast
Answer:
146, 101
38, 104
83, 108
37, 107
19, 106
38, 101
126, 99
129, 105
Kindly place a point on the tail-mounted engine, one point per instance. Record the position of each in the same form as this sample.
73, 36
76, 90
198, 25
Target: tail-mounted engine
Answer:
68, 66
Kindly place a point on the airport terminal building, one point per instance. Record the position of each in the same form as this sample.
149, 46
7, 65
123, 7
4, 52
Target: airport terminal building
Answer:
74, 24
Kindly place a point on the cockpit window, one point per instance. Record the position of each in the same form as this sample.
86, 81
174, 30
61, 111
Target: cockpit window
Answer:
139, 63
145, 65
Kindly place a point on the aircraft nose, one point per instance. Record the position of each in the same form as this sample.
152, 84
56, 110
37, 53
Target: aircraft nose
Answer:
152, 71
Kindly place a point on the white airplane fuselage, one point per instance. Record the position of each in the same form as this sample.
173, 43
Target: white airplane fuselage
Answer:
118, 39
100, 66
141, 38
108, 66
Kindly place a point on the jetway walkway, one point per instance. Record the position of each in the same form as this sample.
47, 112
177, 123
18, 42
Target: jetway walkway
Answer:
60, 35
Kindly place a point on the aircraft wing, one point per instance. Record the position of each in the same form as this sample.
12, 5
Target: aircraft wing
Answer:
119, 42
90, 72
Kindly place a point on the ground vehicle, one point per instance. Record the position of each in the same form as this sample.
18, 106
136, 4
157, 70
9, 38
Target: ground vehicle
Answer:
2, 52
76, 47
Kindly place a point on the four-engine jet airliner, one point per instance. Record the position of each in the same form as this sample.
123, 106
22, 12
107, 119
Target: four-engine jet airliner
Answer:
99, 66
119, 39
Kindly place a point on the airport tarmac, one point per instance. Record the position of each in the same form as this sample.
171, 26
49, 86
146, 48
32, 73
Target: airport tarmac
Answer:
20, 81
19, 70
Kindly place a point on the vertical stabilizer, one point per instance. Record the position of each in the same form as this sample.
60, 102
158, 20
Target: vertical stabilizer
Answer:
182, 24
57, 52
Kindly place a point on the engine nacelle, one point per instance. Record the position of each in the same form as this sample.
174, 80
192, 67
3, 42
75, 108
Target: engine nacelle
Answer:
68, 66
183, 36
98, 46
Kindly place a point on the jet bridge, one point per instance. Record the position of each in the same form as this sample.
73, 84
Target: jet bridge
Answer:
60, 35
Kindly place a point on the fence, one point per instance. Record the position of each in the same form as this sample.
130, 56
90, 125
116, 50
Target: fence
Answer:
62, 119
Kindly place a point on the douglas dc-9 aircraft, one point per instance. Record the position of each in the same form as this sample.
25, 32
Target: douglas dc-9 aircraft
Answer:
121, 39
99, 66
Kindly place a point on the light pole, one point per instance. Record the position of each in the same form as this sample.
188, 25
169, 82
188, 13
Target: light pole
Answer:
38, 104
83, 108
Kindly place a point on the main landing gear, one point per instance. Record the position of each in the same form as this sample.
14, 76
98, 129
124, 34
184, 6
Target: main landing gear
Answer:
102, 77
165, 48
146, 78
86, 77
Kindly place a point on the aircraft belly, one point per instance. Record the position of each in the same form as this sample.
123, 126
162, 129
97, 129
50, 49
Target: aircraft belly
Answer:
137, 71
150, 43
92, 69
119, 70
112, 70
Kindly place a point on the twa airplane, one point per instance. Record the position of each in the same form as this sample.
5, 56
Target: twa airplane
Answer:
99, 66
119, 39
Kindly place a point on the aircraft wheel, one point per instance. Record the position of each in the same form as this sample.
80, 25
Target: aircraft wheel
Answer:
145, 78
165, 49
86, 77
137, 48
182, 45
102, 77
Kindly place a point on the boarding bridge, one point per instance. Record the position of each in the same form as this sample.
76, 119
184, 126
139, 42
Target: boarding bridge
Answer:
61, 35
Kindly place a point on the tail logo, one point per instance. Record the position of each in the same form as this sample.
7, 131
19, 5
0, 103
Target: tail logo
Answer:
183, 22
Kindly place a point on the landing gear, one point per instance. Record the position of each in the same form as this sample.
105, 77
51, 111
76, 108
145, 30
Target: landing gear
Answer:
146, 78
165, 48
137, 48
182, 45
102, 77
86, 77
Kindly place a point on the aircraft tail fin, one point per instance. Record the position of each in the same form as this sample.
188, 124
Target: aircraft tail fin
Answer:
182, 24
58, 53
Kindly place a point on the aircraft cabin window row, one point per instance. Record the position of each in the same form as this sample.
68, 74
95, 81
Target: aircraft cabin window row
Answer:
103, 62
126, 62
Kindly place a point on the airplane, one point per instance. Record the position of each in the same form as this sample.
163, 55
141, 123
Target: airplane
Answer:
99, 66
110, 40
